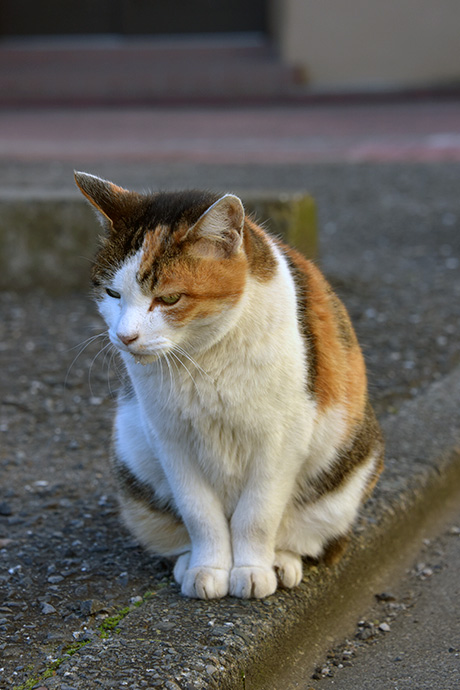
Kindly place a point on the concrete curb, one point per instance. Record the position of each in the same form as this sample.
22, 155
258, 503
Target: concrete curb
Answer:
48, 240
231, 644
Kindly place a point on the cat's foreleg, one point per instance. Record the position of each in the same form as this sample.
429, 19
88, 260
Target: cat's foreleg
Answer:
205, 574
204, 571
254, 526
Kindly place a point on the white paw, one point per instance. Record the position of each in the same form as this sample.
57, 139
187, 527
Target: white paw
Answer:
181, 566
252, 582
288, 567
205, 583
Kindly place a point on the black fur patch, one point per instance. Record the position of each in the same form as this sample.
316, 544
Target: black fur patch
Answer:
301, 284
130, 485
367, 439
170, 209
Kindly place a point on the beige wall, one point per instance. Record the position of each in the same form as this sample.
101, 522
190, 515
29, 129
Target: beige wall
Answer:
370, 43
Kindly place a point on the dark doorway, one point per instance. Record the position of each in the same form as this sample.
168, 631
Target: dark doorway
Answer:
131, 17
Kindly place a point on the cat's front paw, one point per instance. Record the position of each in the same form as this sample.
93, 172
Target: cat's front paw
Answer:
252, 582
205, 583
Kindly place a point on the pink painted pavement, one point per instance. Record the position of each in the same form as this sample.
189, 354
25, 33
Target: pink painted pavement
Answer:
422, 131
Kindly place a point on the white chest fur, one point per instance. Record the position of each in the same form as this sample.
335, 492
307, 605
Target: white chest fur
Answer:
236, 403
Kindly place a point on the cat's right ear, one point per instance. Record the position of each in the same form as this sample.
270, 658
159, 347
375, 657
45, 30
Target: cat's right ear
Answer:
112, 203
218, 231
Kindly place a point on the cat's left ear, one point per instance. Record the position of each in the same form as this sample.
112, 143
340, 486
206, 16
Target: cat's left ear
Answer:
219, 231
112, 203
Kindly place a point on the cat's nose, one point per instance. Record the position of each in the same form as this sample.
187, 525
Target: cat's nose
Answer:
128, 339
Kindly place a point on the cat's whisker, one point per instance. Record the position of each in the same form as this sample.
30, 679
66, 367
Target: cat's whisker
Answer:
183, 352
171, 377
119, 370
111, 363
174, 360
86, 342
84, 345
103, 349
160, 362
97, 262
176, 357
108, 359
107, 353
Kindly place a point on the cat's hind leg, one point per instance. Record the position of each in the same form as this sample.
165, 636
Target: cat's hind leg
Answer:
158, 531
145, 498
288, 568
321, 528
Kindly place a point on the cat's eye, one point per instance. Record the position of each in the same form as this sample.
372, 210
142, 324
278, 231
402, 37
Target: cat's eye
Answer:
112, 293
170, 299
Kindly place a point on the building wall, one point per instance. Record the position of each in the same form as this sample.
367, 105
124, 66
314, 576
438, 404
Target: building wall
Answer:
370, 43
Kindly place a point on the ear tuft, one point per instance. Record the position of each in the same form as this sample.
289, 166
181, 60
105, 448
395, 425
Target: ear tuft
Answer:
108, 199
220, 228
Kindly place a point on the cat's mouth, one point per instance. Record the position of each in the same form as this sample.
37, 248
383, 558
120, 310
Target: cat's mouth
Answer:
144, 359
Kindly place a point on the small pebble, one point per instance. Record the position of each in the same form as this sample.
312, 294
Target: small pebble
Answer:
165, 626
48, 608
92, 606
385, 596
123, 579
219, 630
384, 627
54, 579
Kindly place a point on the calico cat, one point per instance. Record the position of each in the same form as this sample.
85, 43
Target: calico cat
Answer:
243, 438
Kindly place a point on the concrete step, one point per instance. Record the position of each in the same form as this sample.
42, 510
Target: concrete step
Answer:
141, 71
42, 234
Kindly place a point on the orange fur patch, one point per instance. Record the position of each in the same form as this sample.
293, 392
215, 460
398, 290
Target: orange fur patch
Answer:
151, 248
341, 375
207, 285
333, 350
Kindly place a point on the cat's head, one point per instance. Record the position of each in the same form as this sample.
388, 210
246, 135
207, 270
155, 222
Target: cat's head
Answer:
171, 269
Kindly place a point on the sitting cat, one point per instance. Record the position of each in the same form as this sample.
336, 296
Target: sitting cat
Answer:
243, 438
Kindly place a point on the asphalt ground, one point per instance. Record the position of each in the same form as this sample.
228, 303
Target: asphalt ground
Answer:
389, 242
410, 637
